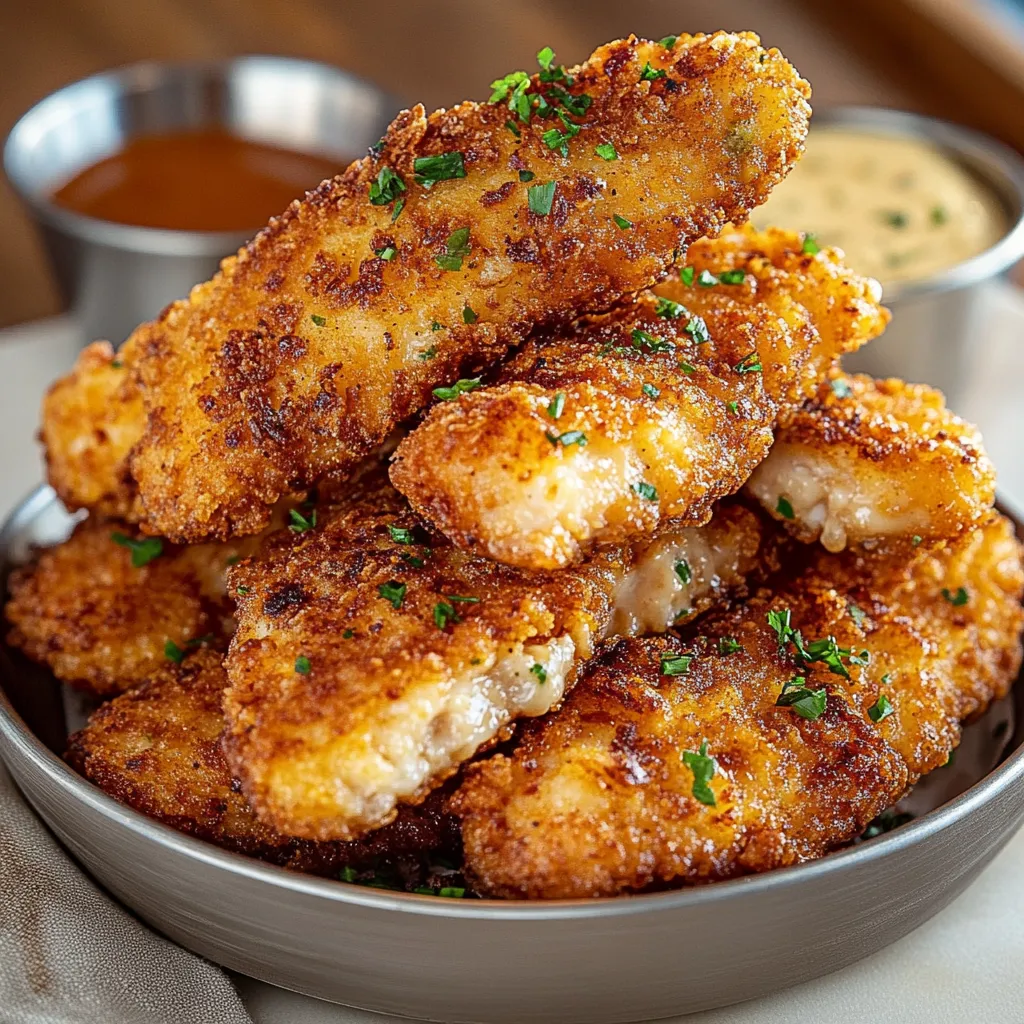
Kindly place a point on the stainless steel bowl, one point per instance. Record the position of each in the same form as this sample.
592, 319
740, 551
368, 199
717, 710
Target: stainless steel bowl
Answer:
466, 960
115, 276
934, 334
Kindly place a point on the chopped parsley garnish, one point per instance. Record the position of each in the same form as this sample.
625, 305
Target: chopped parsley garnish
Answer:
512, 89
456, 249
840, 388
703, 768
460, 387
882, 708
675, 664
706, 279
233, 559
526, 175
298, 523
242, 590
302, 665
826, 651
511, 126
399, 534
116, 364
895, 218
650, 74
386, 252
642, 340
750, 363
428, 353
348, 873
539, 671
468, 315
394, 592
810, 246
386, 188
173, 652
732, 277
621, 222
397, 209
668, 42
319, 320
669, 309
729, 645
606, 151
576, 105
956, 598
568, 438
143, 550
698, 330
686, 275
682, 570
444, 613
885, 679
429, 170
915, 540
463, 600
809, 704
646, 491
784, 508
540, 197
555, 138
857, 614
556, 405
435, 326
939, 215
733, 407
689, 368
651, 391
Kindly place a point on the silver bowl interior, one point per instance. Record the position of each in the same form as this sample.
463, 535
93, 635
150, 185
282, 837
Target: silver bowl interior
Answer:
607, 960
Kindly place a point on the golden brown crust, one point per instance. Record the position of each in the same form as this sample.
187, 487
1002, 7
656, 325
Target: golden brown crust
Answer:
870, 460
389, 700
157, 749
692, 421
598, 799
248, 398
100, 623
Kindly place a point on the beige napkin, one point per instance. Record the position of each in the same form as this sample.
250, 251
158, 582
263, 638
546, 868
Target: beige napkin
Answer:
70, 955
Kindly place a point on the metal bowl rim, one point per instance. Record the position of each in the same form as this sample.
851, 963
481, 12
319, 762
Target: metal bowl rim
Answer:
19, 739
131, 78
958, 140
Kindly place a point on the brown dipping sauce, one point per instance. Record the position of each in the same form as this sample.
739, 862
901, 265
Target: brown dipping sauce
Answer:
194, 181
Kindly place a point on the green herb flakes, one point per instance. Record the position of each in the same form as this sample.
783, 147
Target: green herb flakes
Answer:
468, 315
675, 664
646, 491
698, 330
386, 187
457, 248
556, 405
606, 151
539, 671
683, 571
399, 534
750, 363
621, 222
840, 388
302, 665
526, 175
298, 523
444, 613
320, 321
460, 387
394, 592
668, 42
686, 275
651, 391
784, 507
669, 309
810, 246
809, 704
570, 437
729, 645
650, 74
143, 549
882, 708
703, 768
540, 197
732, 277
173, 652
386, 253
957, 598
705, 279
429, 170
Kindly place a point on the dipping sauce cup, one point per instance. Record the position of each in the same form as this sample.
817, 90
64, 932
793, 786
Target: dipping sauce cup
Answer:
937, 327
116, 275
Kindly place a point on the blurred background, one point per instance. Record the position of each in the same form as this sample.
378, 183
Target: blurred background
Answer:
959, 59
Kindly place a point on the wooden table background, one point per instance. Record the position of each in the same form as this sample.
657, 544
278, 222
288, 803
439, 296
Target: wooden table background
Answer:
437, 52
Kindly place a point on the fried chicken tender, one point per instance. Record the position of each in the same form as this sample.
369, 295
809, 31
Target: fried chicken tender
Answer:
647, 413
372, 658
101, 623
871, 460
617, 792
422, 261
157, 749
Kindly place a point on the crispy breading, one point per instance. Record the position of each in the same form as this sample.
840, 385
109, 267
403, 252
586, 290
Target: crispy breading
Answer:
90, 420
871, 460
604, 796
157, 749
372, 658
100, 623
309, 345
602, 432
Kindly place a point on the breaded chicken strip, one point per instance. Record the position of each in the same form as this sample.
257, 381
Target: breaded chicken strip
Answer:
684, 761
104, 608
652, 411
372, 658
868, 460
457, 236
157, 749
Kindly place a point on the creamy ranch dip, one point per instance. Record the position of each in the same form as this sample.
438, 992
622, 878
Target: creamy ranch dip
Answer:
899, 208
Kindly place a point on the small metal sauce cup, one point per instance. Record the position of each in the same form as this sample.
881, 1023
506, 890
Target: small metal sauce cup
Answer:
115, 276
936, 328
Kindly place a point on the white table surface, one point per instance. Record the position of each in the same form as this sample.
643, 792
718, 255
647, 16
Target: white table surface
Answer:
965, 965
